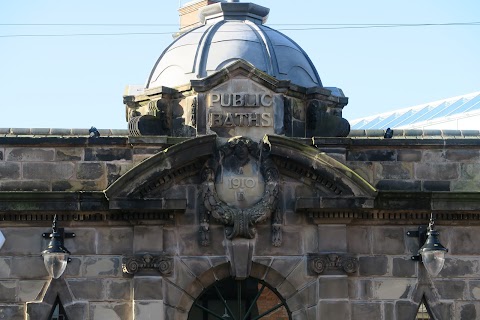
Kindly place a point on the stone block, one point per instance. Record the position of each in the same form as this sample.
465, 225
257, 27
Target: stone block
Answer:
111, 311
148, 310
108, 154
436, 185
147, 288
102, 266
292, 243
9, 171
147, 239
443, 310
90, 171
147, 150
118, 289
467, 310
48, 171
78, 310
75, 185
462, 155
404, 267
432, 155
359, 289
372, 155
30, 290
304, 298
454, 267
84, 242
358, 240
407, 155
363, 169
298, 277
470, 171
174, 295
69, 154
8, 291
388, 240
388, 311
332, 238
1, 154
406, 310
260, 267
366, 310
73, 267
474, 287
333, 287
399, 185
28, 267
465, 186
115, 241
87, 289
30, 154
189, 241
451, 289
25, 186
437, 171
312, 313
463, 241
23, 241
339, 310
394, 171
373, 265
13, 312
393, 289
116, 170
5, 263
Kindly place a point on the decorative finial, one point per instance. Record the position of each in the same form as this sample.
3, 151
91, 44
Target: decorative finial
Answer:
431, 225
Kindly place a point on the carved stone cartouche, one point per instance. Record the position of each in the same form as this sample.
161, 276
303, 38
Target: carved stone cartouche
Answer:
240, 186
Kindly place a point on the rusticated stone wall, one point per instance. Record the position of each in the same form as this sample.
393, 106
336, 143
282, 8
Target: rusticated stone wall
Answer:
386, 285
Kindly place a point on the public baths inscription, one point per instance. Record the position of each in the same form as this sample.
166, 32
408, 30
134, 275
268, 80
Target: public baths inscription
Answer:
235, 111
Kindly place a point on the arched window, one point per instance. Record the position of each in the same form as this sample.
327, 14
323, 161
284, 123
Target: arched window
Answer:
248, 299
58, 312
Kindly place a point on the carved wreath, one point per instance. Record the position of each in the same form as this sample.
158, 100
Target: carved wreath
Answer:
240, 222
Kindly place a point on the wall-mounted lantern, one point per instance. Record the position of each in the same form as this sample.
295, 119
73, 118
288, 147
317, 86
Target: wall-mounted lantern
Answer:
56, 256
432, 252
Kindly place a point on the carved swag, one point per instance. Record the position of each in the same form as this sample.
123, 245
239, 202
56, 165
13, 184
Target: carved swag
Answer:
240, 188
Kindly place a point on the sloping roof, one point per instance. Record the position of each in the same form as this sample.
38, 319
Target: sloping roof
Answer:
443, 113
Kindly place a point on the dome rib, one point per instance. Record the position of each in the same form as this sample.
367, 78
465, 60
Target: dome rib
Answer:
269, 52
204, 48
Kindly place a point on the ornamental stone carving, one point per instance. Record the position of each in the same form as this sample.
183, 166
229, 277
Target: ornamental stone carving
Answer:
240, 188
320, 263
163, 264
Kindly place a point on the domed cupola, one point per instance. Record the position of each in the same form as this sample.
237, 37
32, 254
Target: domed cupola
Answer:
232, 31
232, 76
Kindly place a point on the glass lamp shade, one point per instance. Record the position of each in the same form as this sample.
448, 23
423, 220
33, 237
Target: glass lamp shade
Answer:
433, 261
433, 253
55, 263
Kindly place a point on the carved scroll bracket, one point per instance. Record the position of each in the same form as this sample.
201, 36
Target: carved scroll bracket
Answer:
161, 263
332, 263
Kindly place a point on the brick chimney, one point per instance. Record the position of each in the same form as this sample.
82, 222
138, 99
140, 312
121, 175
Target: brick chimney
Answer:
189, 13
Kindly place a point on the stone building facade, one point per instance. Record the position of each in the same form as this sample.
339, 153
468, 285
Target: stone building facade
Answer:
238, 192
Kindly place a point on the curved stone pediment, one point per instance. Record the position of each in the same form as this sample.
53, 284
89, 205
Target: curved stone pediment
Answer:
161, 171
144, 186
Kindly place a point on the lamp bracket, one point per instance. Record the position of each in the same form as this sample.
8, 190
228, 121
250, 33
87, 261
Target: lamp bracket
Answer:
421, 234
61, 231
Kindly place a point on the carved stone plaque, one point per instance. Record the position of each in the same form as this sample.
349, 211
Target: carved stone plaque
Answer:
240, 107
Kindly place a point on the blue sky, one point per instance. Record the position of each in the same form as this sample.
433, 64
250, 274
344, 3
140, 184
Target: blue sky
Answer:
78, 81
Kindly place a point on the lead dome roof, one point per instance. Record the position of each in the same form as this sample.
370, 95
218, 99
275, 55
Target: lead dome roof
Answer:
232, 31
